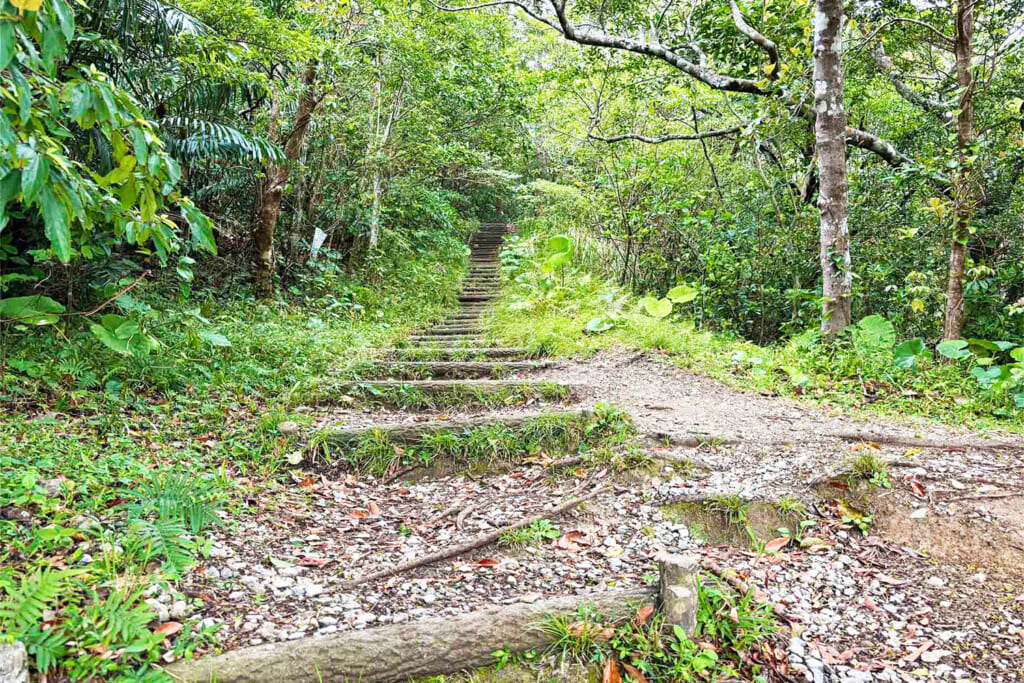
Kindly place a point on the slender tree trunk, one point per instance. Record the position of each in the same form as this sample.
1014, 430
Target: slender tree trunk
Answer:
829, 132
963, 195
277, 178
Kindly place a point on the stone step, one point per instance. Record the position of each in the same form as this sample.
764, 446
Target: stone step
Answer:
512, 352
448, 342
451, 331
415, 432
451, 392
458, 369
476, 297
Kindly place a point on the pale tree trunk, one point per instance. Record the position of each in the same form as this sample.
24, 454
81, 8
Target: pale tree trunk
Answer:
963, 194
277, 178
829, 132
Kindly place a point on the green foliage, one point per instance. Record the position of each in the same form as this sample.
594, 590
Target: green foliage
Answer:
733, 626
77, 205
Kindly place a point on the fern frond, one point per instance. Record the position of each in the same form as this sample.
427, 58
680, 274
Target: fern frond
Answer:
26, 603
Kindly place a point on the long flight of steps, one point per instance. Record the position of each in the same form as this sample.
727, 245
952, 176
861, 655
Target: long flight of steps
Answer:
453, 359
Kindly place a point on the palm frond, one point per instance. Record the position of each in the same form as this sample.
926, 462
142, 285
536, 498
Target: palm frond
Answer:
202, 139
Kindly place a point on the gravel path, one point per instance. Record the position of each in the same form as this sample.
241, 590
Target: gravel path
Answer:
934, 591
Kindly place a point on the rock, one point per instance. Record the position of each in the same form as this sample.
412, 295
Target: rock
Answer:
934, 656
162, 612
288, 428
678, 590
51, 487
179, 610
919, 513
855, 676
936, 582
13, 662
978, 578
267, 631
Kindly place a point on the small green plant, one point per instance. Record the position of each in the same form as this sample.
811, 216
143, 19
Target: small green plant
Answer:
869, 466
534, 534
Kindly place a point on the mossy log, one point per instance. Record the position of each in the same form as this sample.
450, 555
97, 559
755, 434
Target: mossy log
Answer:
403, 652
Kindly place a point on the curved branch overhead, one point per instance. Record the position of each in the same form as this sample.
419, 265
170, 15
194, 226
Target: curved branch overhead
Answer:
732, 130
557, 17
757, 37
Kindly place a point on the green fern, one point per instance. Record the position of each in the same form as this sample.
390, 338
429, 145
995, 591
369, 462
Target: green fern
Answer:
25, 604
173, 497
47, 647
165, 539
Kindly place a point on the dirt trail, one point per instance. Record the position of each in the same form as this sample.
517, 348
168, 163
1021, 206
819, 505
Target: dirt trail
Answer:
934, 590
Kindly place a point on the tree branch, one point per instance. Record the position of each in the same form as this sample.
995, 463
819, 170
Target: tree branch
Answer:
669, 138
757, 37
919, 99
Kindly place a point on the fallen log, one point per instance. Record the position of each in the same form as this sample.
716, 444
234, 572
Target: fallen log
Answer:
402, 652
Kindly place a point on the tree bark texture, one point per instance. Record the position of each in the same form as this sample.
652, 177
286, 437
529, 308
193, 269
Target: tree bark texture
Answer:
830, 136
963, 193
403, 652
277, 178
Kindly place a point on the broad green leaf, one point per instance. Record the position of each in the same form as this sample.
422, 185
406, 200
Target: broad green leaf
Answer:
1018, 354
109, 340
598, 324
954, 349
659, 308
982, 347
65, 17
876, 332
556, 261
7, 43
559, 243
907, 353
55, 220
33, 176
214, 338
30, 310
683, 294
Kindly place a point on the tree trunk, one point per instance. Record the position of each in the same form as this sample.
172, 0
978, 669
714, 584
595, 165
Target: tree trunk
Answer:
277, 178
963, 195
829, 132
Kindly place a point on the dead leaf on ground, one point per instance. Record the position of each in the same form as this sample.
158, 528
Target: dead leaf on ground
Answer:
643, 614
634, 673
374, 508
359, 514
488, 562
611, 673
913, 655
168, 629
313, 562
776, 544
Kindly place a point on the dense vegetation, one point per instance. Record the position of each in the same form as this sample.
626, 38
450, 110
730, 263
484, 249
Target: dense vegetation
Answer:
207, 204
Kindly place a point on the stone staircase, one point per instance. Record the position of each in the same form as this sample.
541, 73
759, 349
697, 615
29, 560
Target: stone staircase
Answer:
451, 364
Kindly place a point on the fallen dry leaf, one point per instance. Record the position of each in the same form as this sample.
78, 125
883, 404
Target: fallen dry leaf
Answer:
374, 508
313, 562
634, 673
913, 655
168, 629
643, 614
488, 562
776, 544
359, 514
611, 673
